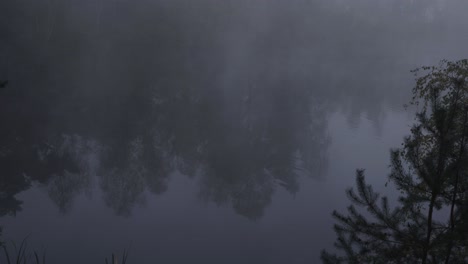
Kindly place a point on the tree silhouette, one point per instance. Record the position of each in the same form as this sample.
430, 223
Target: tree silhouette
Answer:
430, 171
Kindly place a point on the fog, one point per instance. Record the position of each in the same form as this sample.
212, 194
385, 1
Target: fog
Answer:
204, 131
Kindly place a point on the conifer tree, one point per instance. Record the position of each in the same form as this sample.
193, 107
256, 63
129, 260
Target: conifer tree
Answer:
429, 223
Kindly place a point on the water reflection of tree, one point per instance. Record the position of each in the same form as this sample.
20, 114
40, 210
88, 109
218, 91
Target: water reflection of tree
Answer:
12, 182
63, 186
268, 143
242, 147
24, 163
132, 169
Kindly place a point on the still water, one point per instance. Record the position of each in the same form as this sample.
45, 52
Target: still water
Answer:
202, 133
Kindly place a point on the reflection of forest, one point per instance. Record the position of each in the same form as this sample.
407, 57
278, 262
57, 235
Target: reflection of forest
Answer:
131, 92
242, 147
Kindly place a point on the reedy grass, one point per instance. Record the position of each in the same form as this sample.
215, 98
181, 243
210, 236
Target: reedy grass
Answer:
22, 257
115, 260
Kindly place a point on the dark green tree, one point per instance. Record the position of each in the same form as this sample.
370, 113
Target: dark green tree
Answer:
430, 222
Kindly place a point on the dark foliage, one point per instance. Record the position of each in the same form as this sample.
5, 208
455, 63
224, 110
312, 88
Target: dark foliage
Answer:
430, 172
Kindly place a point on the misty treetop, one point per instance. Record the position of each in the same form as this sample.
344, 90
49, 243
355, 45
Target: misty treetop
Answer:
430, 222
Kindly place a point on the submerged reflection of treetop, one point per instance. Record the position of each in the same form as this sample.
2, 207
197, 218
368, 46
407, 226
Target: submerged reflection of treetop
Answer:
240, 152
271, 144
241, 148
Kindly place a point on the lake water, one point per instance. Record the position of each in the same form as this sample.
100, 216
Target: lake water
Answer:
203, 133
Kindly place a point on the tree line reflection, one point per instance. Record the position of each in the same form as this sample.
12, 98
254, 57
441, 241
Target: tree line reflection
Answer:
240, 148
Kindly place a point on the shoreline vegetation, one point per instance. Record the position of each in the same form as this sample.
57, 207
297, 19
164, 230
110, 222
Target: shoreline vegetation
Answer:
20, 254
429, 223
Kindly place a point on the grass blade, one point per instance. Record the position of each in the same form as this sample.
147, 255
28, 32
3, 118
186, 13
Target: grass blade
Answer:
124, 257
6, 254
22, 251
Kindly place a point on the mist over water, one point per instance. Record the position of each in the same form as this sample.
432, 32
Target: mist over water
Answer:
203, 131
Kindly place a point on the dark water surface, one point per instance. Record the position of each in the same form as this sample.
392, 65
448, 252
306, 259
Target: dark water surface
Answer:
203, 131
